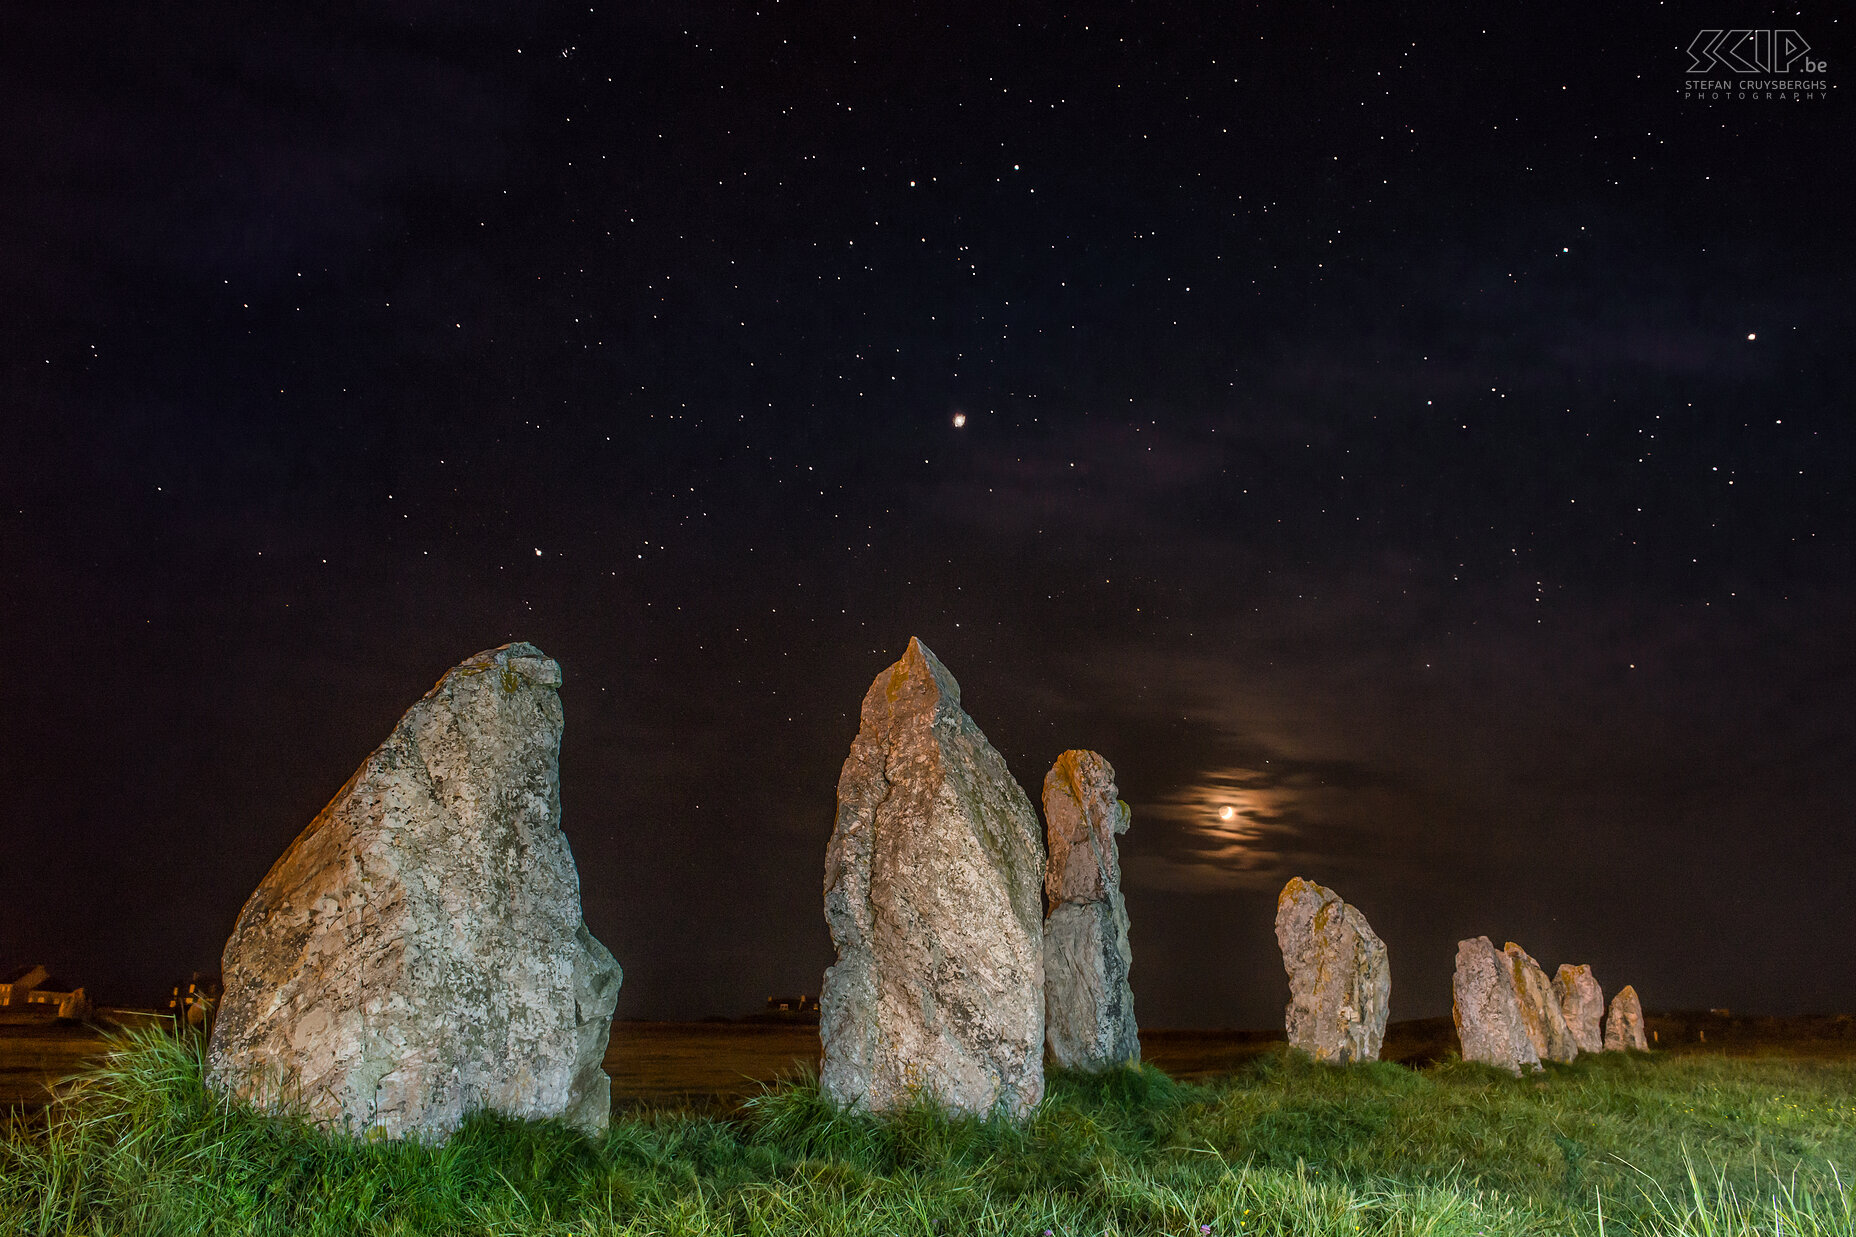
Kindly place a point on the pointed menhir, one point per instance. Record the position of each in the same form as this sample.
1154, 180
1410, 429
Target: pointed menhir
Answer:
1624, 1024
933, 891
1489, 1024
418, 952
1088, 1006
1340, 985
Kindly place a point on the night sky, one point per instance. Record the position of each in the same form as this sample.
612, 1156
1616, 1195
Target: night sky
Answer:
1424, 433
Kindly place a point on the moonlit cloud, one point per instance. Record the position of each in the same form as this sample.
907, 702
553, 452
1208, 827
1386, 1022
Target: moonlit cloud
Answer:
1244, 826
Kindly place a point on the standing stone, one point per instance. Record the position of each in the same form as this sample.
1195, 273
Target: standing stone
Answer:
418, 952
934, 893
1540, 1007
1340, 985
1582, 1004
1088, 1006
1624, 1024
1487, 1012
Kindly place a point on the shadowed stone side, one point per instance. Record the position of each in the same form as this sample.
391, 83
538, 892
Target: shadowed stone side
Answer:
1582, 1004
1340, 985
1540, 1007
418, 952
1624, 1024
1088, 1006
1487, 1013
933, 892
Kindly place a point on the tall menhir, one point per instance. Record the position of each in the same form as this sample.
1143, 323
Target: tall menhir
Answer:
418, 953
933, 885
1088, 1006
1340, 983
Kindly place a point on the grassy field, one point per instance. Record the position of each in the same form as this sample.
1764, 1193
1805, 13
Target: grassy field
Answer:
710, 1065
714, 1065
1663, 1144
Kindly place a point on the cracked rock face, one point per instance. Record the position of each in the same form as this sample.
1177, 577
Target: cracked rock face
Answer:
1624, 1024
1487, 1012
933, 892
1582, 1004
1540, 1007
1088, 1006
418, 952
1340, 984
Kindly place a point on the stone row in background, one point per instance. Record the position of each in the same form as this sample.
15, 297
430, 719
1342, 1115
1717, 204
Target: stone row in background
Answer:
1506, 1011
931, 992
1509, 1015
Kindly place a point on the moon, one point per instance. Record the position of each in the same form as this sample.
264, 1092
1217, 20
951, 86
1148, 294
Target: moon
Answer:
960, 419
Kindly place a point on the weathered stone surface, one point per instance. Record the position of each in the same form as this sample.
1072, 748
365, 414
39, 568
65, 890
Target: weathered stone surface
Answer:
1582, 1004
1624, 1024
1488, 1014
1088, 1006
934, 893
1540, 1007
1340, 985
418, 952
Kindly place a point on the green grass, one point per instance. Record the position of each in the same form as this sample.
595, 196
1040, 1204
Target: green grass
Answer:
1609, 1145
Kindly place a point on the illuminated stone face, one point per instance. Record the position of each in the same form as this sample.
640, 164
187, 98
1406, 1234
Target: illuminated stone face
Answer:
1340, 984
1487, 1013
1088, 1005
1582, 1004
419, 952
933, 892
1540, 1007
1624, 1023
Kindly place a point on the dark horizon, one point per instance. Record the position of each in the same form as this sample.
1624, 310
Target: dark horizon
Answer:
1425, 434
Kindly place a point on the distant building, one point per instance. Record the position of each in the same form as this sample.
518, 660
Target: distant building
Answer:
800, 1004
20, 982
195, 1006
35, 989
